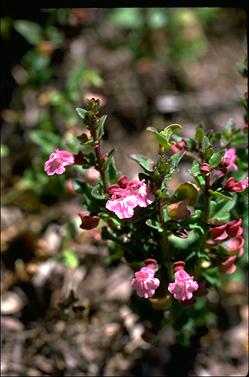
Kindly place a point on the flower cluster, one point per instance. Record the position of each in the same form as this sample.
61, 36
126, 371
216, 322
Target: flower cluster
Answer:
127, 195
233, 246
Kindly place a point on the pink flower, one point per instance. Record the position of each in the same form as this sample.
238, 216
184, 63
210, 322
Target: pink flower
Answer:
183, 287
227, 164
122, 203
231, 185
144, 282
219, 233
57, 160
228, 266
205, 168
235, 246
228, 160
126, 195
179, 146
234, 228
143, 195
102, 99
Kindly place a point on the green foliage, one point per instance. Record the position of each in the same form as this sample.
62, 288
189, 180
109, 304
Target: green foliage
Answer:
216, 158
220, 210
163, 137
146, 163
31, 31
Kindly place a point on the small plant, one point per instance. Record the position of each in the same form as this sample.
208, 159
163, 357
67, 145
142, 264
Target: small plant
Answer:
180, 244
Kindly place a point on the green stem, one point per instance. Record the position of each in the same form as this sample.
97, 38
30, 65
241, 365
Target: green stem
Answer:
205, 218
164, 241
98, 155
206, 210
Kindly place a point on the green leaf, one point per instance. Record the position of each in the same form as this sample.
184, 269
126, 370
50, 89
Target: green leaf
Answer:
175, 159
31, 31
170, 130
196, 173
110, 168
216, 158
70, 259
164, 136
154, 224
221, 211
219, 195
100, 127
188, 191
81, 112
209, 152
88, 200
160, 138
146, 163
98, 191
200, 133
205, 143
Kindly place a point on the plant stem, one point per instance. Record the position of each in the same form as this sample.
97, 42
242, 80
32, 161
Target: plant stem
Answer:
98, 155
206, 210
165, 241
205, 218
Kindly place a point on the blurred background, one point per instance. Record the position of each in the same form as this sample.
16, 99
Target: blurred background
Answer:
149, 67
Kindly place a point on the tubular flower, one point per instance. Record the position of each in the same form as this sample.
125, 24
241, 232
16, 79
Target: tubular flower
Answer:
228, 266
179, 146
233, 229
57, 160
183, 287
219, 233
231, 185
144, 282
122, 203
235, 246
228, 160
227, 164
126, 195
143, 196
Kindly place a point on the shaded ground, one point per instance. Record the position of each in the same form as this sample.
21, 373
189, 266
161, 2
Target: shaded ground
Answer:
47, 329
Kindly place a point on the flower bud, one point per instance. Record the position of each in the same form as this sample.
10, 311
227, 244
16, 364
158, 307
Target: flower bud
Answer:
88, 221
228, 266
79, 158
205, 168
179, 210
179, 265
151, 263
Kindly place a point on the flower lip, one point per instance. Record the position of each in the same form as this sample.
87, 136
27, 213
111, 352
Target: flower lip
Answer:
219, 232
